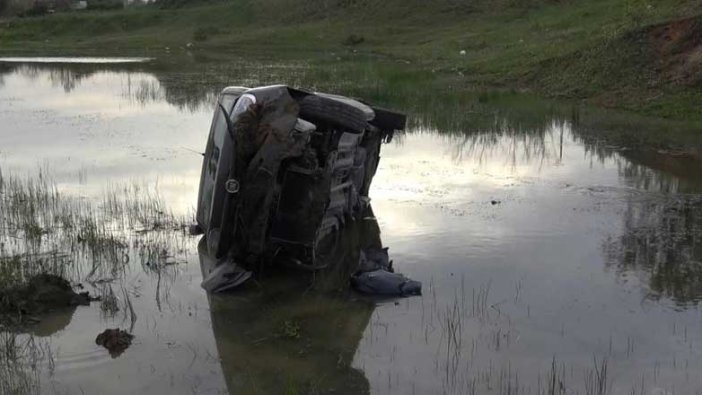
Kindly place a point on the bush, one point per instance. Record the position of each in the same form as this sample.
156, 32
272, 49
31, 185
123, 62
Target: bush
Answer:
38, 9
166, 4
353, 39
105, 4
203, 33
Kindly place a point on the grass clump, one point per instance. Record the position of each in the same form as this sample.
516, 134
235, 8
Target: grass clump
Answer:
19, 357
43, 231
203, 33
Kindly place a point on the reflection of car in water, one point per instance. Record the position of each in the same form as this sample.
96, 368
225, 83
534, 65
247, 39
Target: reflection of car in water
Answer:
297, 332
283, 168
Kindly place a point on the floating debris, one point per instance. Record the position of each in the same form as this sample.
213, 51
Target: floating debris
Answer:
225, 276
376, 276
116, 341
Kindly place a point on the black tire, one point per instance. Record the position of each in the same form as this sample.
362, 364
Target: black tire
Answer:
315, 108
389, 120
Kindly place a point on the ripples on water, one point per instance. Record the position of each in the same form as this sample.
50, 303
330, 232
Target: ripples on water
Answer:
547, 255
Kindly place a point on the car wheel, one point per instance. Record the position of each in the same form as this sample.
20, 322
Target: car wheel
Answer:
332, 112
389, 120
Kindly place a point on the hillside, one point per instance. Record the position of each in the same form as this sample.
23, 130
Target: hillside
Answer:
638, 55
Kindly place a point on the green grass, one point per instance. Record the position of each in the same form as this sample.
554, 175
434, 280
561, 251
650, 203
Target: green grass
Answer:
45, 231
18, 360
575, 49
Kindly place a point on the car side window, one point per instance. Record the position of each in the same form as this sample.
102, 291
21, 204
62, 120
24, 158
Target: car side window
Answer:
214, 158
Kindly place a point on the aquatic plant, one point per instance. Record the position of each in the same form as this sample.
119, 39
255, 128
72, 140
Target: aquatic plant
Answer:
43, 230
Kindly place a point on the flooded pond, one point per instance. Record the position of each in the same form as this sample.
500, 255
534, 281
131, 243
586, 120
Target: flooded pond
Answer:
70, 60
554, 260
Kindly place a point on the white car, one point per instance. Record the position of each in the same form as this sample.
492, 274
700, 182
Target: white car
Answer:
284, 168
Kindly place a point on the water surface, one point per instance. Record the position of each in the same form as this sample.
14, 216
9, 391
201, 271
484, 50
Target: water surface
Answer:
548, 253
72, 60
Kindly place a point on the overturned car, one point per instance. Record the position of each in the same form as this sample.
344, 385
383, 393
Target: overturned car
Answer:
284, 169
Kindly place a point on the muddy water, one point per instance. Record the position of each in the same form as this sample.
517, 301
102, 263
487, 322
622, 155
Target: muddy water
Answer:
552, 262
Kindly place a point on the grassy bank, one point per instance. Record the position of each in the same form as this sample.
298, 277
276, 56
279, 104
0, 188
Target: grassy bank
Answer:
629, 54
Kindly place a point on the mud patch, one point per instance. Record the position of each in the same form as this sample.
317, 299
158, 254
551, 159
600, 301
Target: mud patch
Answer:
116, 341
678, 45
656, 67
41, 294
